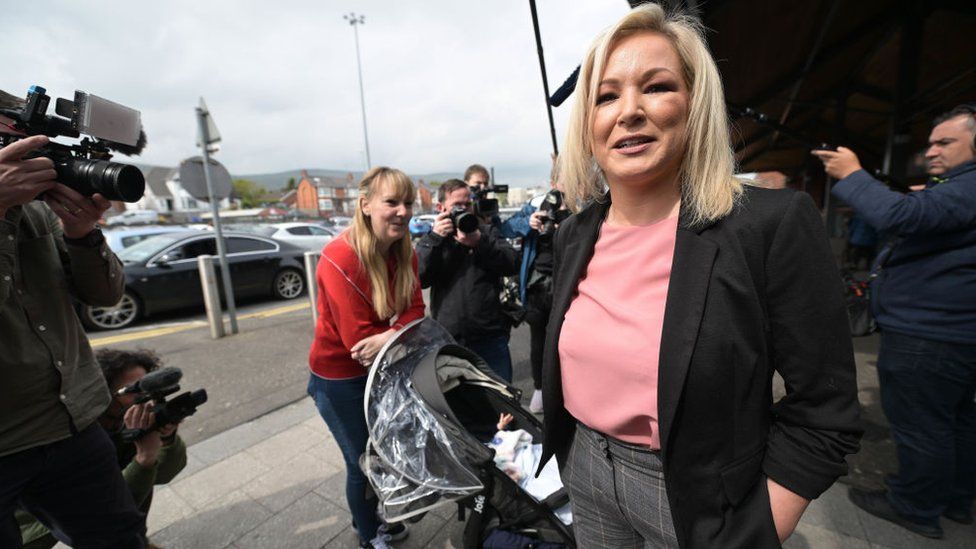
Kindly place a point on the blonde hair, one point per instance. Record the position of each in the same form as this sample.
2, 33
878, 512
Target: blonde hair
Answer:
364, 243
709, 189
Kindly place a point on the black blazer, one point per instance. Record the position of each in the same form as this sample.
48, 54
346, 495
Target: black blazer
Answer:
753, 292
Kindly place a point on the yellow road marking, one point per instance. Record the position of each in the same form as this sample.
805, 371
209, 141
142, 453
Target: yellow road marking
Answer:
166, 330
277, 311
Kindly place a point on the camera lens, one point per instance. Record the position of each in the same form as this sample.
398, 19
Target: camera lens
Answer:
467, 223
113, 180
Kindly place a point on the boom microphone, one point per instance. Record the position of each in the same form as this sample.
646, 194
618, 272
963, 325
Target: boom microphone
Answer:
159, 380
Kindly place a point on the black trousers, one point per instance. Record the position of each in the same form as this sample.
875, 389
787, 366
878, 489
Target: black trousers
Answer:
75, 488
538, 303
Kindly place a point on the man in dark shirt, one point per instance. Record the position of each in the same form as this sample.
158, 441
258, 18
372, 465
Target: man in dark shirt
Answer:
464, 272
924, 301
54, 460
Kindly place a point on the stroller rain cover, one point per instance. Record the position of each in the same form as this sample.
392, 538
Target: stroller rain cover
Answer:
410, 460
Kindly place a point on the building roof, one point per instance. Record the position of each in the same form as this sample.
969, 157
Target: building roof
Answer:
156, 179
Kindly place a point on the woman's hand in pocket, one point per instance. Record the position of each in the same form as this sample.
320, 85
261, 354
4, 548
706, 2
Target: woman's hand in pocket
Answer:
787, 508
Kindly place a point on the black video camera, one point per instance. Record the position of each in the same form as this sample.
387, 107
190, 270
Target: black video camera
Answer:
156, 386
463, 220
484, 206
84, 167
552, 206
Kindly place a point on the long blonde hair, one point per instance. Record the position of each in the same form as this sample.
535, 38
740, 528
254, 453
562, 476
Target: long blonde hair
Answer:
364, 243
709, 189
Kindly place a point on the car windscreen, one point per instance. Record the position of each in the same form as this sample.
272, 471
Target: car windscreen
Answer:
142, 251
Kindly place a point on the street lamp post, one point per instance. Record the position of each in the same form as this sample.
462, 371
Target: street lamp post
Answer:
355, 21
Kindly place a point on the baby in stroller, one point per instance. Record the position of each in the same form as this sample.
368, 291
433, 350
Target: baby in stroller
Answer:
518, 457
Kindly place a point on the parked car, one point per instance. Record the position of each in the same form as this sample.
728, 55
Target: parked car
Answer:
161, 274
134, 217
309, 236
119, 239
421, 224
340, 222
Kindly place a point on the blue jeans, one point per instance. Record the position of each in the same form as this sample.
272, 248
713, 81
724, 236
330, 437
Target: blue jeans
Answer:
494, 351
75, 488
340, 403
927, 390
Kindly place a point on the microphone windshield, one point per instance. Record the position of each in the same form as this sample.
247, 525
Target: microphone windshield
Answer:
154, 381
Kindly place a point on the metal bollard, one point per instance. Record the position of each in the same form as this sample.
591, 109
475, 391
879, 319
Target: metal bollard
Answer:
311, 262
211, 295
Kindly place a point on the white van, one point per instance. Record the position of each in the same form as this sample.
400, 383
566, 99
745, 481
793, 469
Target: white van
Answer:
134, 217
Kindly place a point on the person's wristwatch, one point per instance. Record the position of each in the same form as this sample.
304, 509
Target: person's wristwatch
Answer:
90, 240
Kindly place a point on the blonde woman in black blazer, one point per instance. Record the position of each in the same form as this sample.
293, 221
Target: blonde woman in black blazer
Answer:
753, 289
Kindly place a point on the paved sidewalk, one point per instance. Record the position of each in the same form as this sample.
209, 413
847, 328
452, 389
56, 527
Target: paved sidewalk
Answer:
278, 481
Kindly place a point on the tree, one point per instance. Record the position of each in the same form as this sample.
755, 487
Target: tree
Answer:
249, 192
291, 186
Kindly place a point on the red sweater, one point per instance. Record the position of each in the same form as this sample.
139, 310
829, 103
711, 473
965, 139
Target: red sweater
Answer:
346, 313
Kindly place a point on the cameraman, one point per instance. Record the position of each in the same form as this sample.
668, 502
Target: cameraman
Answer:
463, 272
477, 177
54, 460
153, 460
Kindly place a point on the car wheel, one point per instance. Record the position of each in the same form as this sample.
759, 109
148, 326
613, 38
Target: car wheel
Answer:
288, 284
119, 316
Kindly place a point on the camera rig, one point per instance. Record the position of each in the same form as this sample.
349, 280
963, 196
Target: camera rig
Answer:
155, 387
485, 202
84, 167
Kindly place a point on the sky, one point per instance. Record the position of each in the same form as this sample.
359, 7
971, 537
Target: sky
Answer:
446, 83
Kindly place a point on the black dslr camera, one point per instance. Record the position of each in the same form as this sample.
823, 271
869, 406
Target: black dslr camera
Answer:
552, 206
156, 386
486, 206
84, 167
463, 220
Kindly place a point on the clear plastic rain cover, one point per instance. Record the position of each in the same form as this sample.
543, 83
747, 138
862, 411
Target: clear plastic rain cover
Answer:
409, 459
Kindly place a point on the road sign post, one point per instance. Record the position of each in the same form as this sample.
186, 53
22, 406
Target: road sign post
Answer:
208, 136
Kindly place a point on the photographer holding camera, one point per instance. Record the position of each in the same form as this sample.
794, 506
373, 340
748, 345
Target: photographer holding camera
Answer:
152, 459
462, 261
54, 460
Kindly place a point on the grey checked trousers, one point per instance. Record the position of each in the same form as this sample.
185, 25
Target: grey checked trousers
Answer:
618, 495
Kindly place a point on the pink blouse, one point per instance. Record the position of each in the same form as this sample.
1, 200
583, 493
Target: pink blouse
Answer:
611, 337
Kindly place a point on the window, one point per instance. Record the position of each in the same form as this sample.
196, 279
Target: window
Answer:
237, 245
325, 205
319, 231
299, 231
326, 192
130, 240
191, 250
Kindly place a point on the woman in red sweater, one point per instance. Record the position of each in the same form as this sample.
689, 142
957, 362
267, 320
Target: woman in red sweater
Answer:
368, 289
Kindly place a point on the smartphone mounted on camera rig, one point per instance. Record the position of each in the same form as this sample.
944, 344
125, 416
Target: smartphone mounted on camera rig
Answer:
84, 167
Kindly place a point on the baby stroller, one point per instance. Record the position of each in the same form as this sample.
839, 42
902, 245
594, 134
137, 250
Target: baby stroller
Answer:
431, 406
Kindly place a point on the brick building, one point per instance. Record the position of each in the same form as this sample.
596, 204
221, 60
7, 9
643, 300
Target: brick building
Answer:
325, 196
